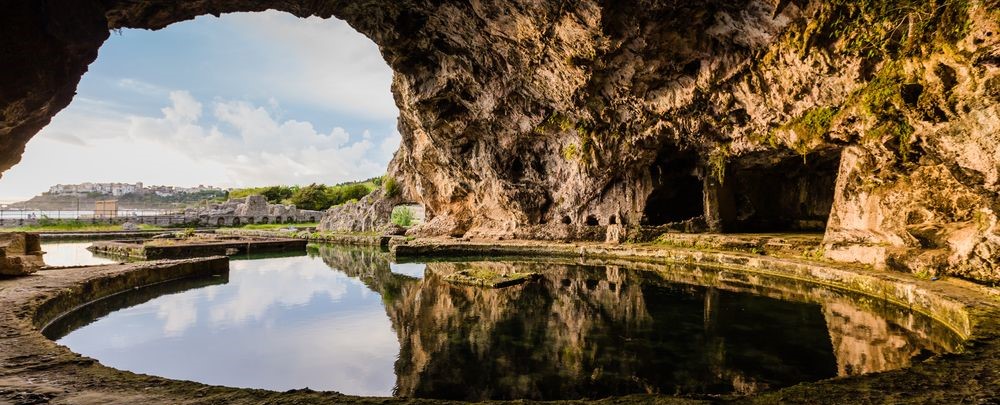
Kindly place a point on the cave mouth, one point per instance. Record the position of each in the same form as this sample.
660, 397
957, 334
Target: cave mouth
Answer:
678, 188
185, 105
781, 194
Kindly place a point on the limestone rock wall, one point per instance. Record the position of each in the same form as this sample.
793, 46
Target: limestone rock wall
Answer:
536, 118
369, 214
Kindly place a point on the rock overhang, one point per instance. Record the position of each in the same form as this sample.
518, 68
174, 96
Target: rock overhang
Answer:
517, 117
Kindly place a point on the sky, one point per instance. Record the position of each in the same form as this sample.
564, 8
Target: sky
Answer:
248, 99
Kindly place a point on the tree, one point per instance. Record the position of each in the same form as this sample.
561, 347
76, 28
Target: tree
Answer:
277, 194
312, 197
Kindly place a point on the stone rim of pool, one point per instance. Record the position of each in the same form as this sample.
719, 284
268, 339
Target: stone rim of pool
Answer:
971, 312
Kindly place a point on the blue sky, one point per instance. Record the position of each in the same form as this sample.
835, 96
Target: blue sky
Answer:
247, 99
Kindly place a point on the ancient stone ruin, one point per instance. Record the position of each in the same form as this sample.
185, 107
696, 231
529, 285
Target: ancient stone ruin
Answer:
20, 254
253, 209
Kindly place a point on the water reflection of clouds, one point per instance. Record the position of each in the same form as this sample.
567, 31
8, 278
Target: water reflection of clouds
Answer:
415, 270
277, 324
178, 313
264, 284
71, 254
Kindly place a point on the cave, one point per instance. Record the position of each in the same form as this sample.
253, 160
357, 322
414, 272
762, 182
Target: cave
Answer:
678, 191
779, 194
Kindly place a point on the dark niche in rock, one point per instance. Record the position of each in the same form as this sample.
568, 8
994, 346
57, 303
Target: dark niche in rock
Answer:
677, 188
779, 193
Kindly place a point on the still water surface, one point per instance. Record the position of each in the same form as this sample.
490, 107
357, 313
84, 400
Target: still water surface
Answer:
72, 253
349, 320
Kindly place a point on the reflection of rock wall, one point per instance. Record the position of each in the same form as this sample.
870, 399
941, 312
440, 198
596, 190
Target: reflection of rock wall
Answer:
865, 342
453, 330
586, 331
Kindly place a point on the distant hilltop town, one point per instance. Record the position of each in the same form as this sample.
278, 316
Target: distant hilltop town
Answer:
122, 189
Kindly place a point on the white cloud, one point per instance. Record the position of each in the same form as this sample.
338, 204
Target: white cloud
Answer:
320, 70
321, 62
66, 137
254, 147
141, 87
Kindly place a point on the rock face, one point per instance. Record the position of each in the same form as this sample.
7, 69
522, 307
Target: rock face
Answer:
874, 121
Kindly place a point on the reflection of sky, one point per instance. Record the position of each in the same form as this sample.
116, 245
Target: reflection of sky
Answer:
71, 254
278, 324
415, 270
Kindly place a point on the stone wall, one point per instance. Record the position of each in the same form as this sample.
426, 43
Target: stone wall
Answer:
20, 254
253, 209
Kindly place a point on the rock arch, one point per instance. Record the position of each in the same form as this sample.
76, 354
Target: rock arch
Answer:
502, 132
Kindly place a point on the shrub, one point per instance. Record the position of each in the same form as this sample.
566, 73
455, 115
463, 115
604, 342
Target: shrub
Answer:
391, 187
402, 216
312, 197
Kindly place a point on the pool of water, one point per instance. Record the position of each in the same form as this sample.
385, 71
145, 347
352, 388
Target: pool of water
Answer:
348, 320
72, 253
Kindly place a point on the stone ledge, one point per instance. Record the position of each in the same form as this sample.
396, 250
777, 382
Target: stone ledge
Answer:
353, 239
33, 366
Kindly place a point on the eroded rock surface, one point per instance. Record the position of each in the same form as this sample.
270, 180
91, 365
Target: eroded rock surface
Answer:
369, 214
20, 254
542, 118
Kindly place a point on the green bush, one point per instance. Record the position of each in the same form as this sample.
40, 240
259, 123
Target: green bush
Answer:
402, 216
312, 197
391, 187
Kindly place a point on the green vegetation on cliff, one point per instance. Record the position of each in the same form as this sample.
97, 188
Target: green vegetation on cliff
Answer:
312, 197
876, 28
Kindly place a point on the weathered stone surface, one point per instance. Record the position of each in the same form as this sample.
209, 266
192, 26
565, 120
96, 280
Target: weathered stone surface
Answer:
369, 214
253, 206
20, 254
524, 118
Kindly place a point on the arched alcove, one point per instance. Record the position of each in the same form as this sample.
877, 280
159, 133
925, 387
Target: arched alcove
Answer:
677, 191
